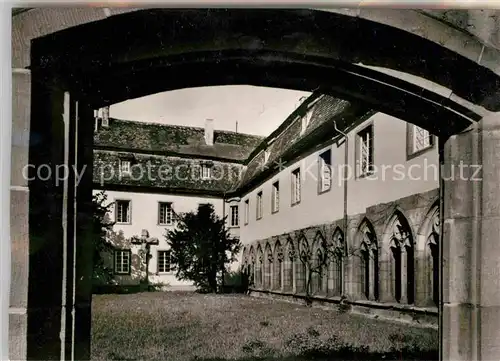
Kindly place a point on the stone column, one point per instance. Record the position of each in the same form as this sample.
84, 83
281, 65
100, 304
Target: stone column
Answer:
404, 275
422, 294
470, 327
351, 277
386, 276
372, 278
19, 212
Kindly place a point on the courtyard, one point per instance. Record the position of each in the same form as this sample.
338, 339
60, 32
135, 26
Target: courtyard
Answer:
185, 326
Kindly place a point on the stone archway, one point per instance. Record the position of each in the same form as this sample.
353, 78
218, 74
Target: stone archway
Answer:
54, 99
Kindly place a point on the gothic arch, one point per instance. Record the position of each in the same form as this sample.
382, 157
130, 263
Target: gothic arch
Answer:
366, 234
319, 263
339, 252
290, 248
289, 277
267, 264
259, 261
428, 240
428, 225
303, 247
398, 260
303, 258
251, 254
398, 213
319, 240
278, 265
244, 257
368, 263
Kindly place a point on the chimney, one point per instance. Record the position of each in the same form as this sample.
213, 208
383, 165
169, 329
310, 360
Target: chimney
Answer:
209, 132
105, 116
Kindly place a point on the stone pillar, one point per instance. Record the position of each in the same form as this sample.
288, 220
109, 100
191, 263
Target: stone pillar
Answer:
352, 277
386, 274
470, 327
404, 275
60, 224
373, 277
19, 202
422, 295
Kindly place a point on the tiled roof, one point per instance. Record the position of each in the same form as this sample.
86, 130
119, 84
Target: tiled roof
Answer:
323, 111
164, 172
236, 153
162, 138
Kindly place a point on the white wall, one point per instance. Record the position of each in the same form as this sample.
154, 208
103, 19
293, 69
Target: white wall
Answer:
409, 177
144, 215
389, 149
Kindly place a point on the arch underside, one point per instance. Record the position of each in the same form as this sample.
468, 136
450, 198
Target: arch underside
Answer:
149, 51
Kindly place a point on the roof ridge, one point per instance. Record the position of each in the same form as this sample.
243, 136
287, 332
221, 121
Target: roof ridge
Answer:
184, 127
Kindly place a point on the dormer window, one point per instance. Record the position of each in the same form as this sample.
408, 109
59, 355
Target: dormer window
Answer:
125, 166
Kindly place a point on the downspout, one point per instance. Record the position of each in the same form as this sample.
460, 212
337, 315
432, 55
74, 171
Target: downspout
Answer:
224, 229
346, 162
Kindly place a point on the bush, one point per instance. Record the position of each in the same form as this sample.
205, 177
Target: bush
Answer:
158, 286
235, 282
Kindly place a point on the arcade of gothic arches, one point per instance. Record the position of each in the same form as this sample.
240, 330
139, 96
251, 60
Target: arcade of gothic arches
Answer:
396, 266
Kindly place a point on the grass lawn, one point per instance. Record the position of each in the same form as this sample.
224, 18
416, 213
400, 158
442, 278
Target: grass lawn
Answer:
187, 326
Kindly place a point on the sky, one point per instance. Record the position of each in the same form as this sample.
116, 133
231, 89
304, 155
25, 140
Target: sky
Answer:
258, 110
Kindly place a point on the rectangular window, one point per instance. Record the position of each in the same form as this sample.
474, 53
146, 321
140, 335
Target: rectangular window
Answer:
235, 219
124, 167
165, 214
164, 262
205, 171
296, 186
418, 141
122, 211
365, 151
325, 171
122, 261
247, 210
275, 200
259, 205
422, 139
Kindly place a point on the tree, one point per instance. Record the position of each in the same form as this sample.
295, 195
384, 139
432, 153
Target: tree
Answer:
102, 225
199, 245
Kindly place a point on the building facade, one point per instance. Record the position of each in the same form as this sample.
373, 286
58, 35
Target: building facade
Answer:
339, 204
344, 203
151, 172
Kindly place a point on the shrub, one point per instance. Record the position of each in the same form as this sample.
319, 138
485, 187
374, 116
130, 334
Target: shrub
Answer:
158, 286
235, 282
